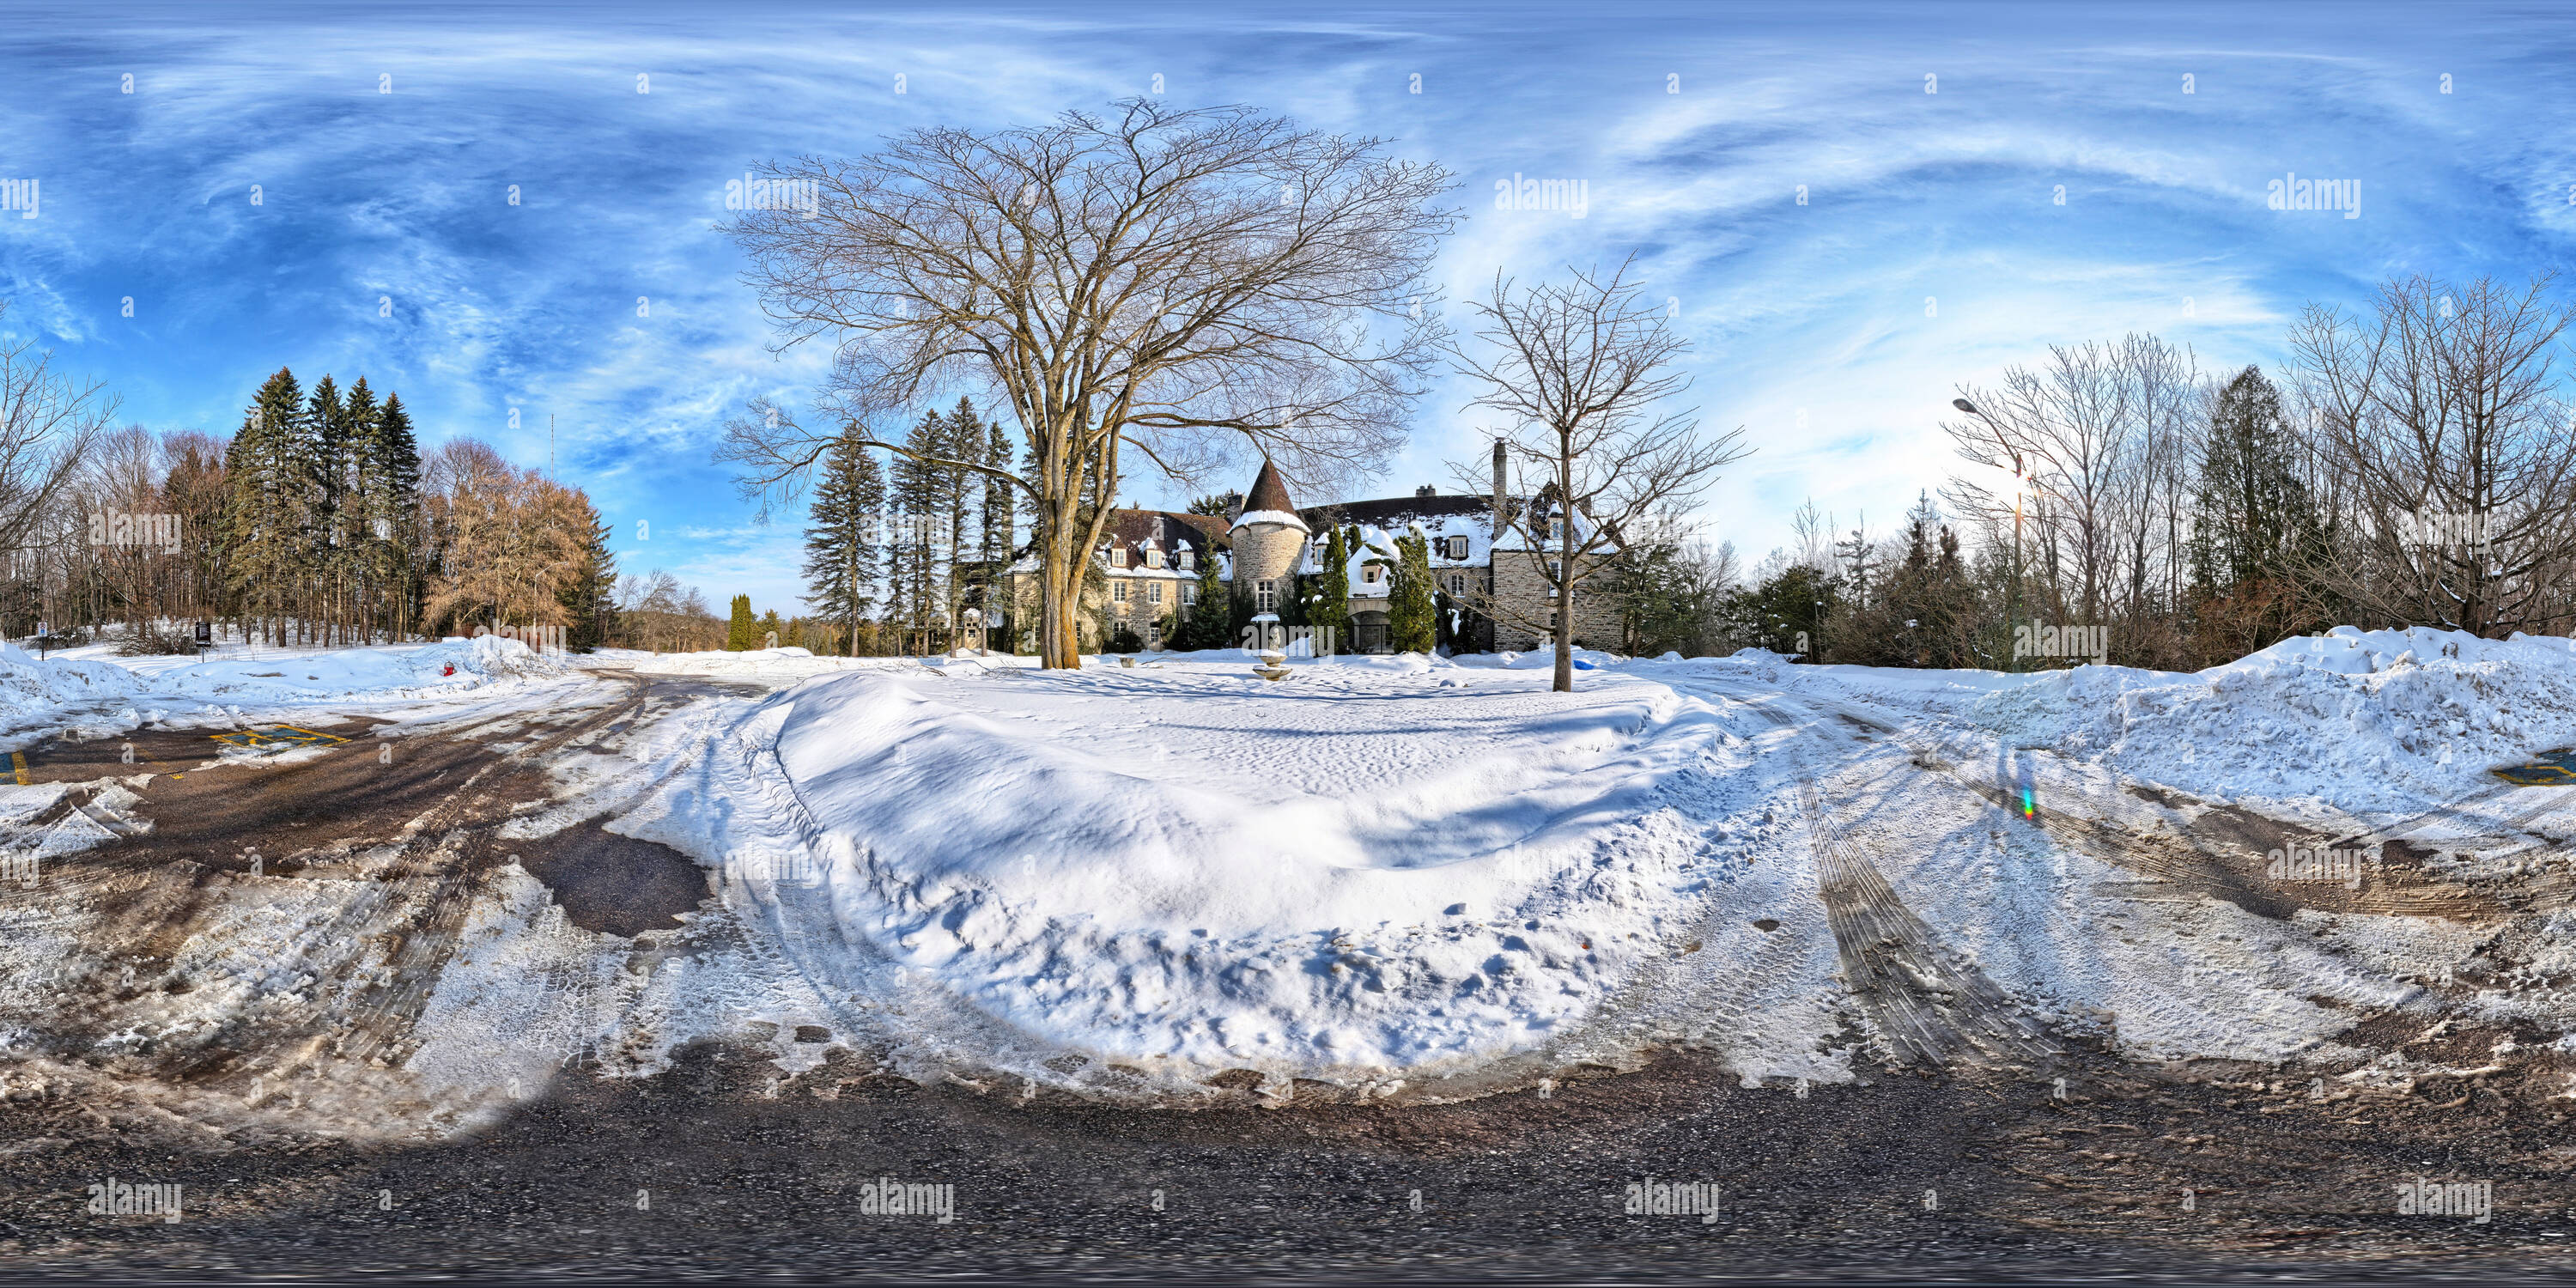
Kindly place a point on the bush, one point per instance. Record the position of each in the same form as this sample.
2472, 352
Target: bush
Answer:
1125, 640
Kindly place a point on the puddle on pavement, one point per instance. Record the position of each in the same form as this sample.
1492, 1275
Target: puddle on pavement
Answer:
611, 884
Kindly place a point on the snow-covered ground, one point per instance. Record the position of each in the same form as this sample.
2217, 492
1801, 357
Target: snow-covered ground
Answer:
1424, 877
1386, 870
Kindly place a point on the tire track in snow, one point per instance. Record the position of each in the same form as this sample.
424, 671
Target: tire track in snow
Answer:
1926, 1005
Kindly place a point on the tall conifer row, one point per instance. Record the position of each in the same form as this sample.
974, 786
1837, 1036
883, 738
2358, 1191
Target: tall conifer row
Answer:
843, 544
270, 469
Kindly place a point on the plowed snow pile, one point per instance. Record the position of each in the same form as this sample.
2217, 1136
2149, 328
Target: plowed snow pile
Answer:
1377, 864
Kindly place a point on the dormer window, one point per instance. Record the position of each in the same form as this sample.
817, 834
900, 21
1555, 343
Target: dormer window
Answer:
1153, 557
1187, 560
1117, 556
1457, 547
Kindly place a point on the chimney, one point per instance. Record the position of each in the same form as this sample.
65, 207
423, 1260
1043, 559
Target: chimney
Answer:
1500, 517
1426, 490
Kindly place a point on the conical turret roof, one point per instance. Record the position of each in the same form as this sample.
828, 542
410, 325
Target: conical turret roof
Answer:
1268, 501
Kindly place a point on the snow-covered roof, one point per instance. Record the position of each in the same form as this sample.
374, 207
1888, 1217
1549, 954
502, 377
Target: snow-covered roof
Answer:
1287, 518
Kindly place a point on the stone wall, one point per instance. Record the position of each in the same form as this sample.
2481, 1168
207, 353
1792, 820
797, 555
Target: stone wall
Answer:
1521, 590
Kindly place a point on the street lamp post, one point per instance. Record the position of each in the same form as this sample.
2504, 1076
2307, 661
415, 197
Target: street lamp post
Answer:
2012, 611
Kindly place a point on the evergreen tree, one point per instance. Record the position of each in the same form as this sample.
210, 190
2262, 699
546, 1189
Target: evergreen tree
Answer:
589, 596
394, 524
1205, 623
843, 544
917, 566
741, 634
330, 443
768, 625
1410, 614
269, 468
2254, 526
1329, 603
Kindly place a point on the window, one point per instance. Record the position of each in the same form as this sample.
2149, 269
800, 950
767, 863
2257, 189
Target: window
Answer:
1154, 592
1118, 592
1153, 557
1187, 560
1189, 593
1265, 596
1372, 574
1457, 547
1117, 556
1457, 585
1555, 576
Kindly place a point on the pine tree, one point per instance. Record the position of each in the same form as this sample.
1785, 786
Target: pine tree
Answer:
843, 549
917, 568
269, 468
2254, 526
1329, 603
589, 595
768, 625
1411, 623
741, 634
1205, 624
395, 524
330, 571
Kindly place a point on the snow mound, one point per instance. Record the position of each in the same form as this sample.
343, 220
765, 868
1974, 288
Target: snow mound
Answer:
350, 672
2372, 720
1195, 867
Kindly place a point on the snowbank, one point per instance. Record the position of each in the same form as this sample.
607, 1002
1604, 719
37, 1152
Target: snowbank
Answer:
2371, 720
1355, 869
34, 690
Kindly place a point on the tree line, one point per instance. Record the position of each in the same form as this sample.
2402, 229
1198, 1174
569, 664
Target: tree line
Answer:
319, 521
2412, 463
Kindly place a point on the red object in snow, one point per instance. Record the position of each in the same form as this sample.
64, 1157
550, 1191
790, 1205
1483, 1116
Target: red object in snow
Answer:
451, 669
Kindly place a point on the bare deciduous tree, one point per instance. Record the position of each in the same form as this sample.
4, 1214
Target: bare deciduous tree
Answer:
1174, 282
2446, 417
47, 421
1580, 372
2100, 436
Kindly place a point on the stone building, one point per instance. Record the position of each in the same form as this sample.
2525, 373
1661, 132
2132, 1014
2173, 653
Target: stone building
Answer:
1151, 559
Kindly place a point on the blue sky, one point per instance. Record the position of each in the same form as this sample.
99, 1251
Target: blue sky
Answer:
1931, 248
